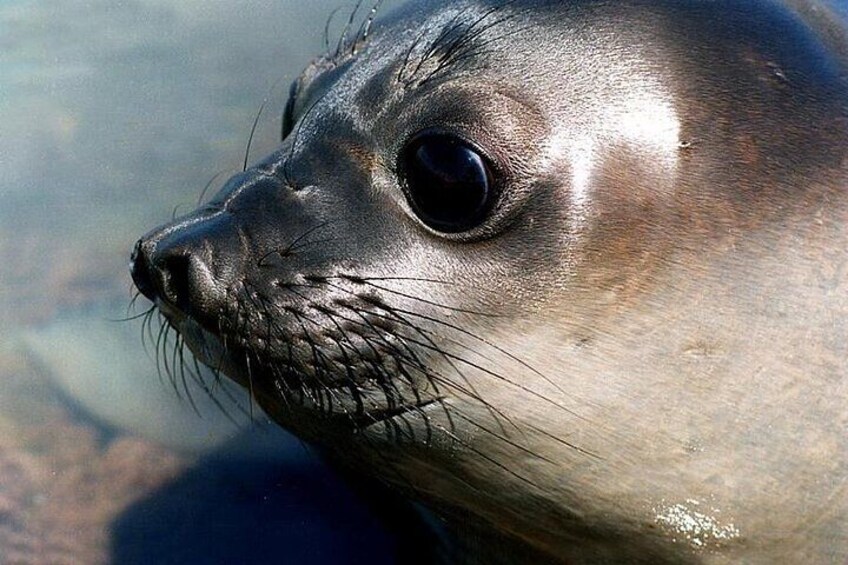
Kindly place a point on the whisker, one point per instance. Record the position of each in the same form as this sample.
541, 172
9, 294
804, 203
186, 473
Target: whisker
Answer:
453, 25
179, 356
321, 361
369, 21
131, 318
351, 381
159, 356
435, 347
408, 57
250, 388
488, 343
377, 353
291, 246
256, 121
470, 392
346, 30
382, 381
136, 294
209, 184
501, 437
358, 279
477, 51
197, 376
327, 28
365, 28
563, 442
497, 376
428, 302
445, 48
433, 376
148, 339
296, 138
487, 457
463, 360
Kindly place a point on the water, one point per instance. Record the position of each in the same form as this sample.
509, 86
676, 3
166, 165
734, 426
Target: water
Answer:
115, 114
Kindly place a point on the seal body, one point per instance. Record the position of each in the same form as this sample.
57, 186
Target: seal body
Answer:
572, 274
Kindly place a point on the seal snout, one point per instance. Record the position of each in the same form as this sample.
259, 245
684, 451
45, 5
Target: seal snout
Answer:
185, 268
170, 275
140, 271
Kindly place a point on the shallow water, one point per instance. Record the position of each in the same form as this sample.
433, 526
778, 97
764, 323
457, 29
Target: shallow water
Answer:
115, 115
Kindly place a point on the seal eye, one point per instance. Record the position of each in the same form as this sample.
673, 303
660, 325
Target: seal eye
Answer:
448, 182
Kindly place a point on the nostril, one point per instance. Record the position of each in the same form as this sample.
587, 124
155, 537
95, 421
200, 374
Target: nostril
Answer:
176, 279
188, 267
140, 272
165, 274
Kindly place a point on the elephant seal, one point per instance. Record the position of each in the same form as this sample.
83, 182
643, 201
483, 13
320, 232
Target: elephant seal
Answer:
572, 274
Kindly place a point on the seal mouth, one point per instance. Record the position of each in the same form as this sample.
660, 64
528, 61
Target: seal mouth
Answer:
340, 410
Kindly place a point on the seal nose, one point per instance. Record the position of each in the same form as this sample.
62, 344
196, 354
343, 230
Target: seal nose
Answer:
140, 272
186, 267
171, 275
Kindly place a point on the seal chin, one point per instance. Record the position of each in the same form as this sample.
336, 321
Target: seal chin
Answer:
206, 347
341, 406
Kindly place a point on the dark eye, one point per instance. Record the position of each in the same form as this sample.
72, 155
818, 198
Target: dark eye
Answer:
448, 182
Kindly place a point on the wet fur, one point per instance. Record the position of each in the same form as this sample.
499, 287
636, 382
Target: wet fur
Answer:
507, 393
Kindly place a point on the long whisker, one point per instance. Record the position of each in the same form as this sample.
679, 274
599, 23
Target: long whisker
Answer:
486, 342
179, 358
382, 381
428, 302
161, 357
132, 318
361, 280
500, 437
470, 391
327, 28
401, 363
293, 245
256, 121
435, 347
197, 376
209, 184
365, 28
296, 139
346, 31
432, 376
487, 457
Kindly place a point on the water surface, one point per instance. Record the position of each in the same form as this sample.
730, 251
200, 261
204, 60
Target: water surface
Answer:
115, 115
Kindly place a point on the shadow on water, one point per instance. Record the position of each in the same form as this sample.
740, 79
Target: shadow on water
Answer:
237, 507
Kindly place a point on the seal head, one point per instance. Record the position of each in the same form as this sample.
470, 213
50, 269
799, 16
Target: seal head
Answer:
571, 273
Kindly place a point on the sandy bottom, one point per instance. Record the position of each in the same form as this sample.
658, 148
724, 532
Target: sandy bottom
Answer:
64, 481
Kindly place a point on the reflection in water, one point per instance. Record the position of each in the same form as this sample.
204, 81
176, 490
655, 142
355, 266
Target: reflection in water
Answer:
115, 113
